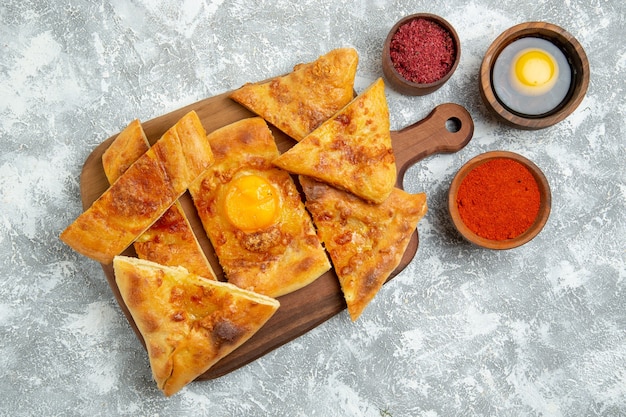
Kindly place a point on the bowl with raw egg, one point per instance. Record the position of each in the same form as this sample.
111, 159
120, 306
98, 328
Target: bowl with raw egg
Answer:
534, 75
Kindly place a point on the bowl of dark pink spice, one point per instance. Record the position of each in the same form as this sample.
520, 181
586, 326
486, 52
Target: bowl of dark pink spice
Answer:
499, 200
420, 53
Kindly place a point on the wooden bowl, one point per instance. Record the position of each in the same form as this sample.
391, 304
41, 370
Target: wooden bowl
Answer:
575, 55
401, 84
531, 232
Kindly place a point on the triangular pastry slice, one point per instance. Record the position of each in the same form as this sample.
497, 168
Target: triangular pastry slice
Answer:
366, 242
170, 240
351, 150
127, 147
253, 213
188, 323
300, 101
142, 193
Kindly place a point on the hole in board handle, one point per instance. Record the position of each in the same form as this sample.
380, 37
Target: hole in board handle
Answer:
453, 124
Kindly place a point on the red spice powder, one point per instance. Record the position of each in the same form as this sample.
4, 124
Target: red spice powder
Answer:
422, 51
499, 199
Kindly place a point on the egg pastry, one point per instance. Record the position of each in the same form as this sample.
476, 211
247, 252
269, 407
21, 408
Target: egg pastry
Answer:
170, 240
365, 241
300, 101
142, 193
253, 214
188, 323
351, 150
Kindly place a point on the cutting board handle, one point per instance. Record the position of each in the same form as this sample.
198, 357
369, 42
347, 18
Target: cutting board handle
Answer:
448, 128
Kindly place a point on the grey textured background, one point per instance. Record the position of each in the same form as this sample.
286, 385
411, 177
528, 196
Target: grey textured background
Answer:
535, 331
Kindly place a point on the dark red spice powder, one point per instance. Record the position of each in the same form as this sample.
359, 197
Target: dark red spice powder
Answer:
499, 199
422, 51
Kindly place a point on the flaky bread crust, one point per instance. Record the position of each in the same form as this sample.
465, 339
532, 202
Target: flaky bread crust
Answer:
300, 101
365, 241
278, 259
188, 323
170, 240
351, 150
143, 193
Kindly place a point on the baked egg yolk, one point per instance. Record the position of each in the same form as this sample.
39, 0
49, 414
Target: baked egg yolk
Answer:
534, 71
251, 203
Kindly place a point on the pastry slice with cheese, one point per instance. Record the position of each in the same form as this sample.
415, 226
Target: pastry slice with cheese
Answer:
351, 150
170, 240
188, 323
365, 241
143, 193
253, 213
300, 101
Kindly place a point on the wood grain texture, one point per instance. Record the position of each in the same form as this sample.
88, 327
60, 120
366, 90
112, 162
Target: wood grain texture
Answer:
310, 306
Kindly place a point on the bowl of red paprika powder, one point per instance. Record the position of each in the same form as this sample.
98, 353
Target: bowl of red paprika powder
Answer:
499, 200
420, 53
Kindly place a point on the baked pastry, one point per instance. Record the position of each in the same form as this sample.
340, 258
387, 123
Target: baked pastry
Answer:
253, 214
351, 150
300, 101
188, 323
126, 148
143, 193
365, 241
170, 240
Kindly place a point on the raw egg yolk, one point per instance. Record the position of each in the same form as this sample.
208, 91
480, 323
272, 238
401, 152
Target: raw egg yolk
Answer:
251, 203
534, 71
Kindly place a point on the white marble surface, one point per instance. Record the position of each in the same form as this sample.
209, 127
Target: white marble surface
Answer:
535, 331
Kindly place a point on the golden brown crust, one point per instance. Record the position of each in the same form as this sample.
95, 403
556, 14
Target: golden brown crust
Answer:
127, 147
170, 240
143, 193
276, 259
366, 242
188, 323
300, 101
352, 150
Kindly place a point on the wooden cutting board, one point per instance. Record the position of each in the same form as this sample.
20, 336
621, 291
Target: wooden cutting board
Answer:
448, 128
